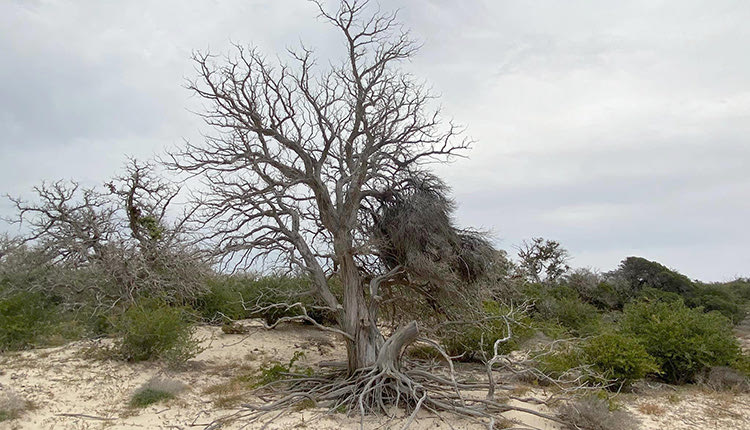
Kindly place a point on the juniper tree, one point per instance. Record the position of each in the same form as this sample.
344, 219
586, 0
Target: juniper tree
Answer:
318, 168
325, 169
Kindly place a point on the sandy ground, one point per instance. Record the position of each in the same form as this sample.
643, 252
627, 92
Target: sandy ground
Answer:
72, 387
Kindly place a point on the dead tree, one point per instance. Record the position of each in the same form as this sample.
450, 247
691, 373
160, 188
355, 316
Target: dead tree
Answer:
122, 237
301, 151
323, 170
70, 223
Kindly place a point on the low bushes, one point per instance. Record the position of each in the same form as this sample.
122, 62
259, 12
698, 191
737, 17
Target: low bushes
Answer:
611, 358
594, 413
663, 338
619, 357
24, 317
223, 299
238, 296
721, 378
476, 341
721, 298
566, 361
683, 341
151, 329
562, 305
11, 405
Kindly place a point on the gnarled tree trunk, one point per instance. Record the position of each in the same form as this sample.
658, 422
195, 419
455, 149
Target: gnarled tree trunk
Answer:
358, 320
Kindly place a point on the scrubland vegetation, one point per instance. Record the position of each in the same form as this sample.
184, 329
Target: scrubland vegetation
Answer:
321, 175
120, 262
641, 320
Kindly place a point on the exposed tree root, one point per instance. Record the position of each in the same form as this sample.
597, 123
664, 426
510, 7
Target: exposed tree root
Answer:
381, 392
385, 388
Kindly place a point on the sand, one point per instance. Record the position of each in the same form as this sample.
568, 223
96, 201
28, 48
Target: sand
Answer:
73, 387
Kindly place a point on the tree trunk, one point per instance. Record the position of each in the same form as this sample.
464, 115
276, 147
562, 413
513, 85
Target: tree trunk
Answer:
369, 347
358, 321
390, 353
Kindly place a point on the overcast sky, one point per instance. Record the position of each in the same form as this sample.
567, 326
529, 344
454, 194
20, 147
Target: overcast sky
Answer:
617, 128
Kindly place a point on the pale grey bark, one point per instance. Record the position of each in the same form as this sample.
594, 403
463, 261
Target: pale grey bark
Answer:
301, 152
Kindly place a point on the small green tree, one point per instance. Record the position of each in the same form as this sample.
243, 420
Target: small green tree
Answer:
640, 273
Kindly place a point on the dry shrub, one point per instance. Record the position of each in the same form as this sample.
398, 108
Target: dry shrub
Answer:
593, 413
172, 386
723, 378
156, 390
11, 405
504, 423
651, 409
234, 328
415, 230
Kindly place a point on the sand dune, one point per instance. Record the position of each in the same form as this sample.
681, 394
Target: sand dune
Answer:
71, 387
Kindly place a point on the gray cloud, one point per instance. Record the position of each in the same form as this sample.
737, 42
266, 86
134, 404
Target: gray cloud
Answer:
619, 128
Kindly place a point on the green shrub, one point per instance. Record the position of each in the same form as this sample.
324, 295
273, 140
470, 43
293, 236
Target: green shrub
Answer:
740, 287
619, 357
742, 363
593, 289
242, 296
655, 295
606, 358
641, 273
275, 370
563, 305
606, 297
721, 298
475, 341
683, 341
151, 329
24, 316
223, 299
567, 360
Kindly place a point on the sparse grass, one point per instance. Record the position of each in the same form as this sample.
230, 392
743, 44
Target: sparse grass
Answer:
154, 391
651, 409
100, 352
722, 404
594, 413
11, 405
234, 391
247, 378
723, 378
234, 328
273, 371
148, 397
503, 423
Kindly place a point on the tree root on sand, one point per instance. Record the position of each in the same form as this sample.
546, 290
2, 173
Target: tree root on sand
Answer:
381, 390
